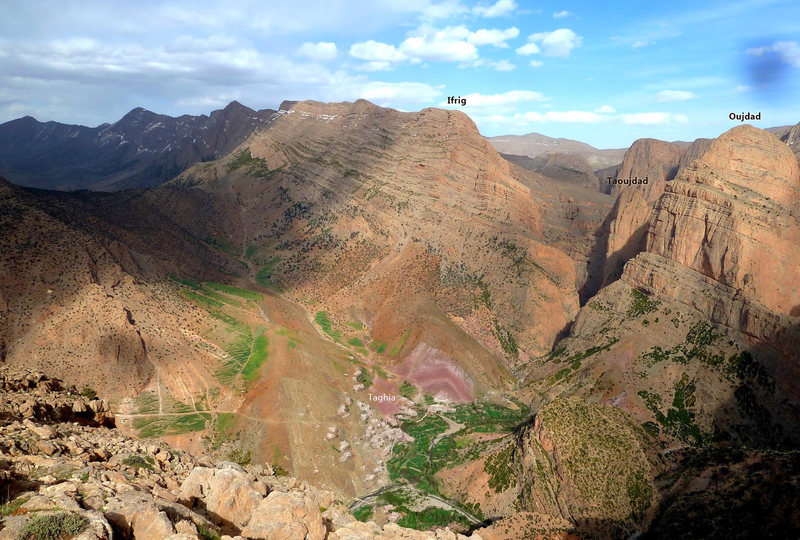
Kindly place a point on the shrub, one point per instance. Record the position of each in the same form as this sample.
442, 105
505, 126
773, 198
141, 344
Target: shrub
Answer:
88, 392
139, 462
53, 526
242, 457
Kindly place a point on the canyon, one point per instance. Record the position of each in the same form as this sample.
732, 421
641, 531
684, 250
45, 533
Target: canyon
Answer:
431, 327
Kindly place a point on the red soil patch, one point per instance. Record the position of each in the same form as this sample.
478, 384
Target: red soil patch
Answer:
437, 375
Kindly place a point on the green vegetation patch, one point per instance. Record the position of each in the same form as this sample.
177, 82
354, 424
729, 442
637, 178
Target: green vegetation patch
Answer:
236, 291
407, 390
399, 346
11, 507
321, 318
255, 166
158, 426
641, 304
222, 244
500, 468
257, 357
355, 342
695, 346
139, 462
431, 517
264, 276
358, 325
365, 377
363, 513
203, 300
506, 339
239, 348
679, 418
53, 526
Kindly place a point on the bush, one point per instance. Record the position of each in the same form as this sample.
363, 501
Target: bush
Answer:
53, 526
139, 462
88, 393
242, 457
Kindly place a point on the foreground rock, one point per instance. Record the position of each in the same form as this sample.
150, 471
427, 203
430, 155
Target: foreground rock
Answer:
91, 482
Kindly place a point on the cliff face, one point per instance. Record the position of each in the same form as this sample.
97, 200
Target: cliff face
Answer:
733, 216
627, 227
657, 160
707, 304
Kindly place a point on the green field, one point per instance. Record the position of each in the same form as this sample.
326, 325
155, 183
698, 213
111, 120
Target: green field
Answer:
157, 426
257, 357
235, 291
265, 273
321, 318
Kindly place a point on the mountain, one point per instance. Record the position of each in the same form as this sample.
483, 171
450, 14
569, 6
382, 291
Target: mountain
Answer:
571, 168
535, 145
143, 149
651, 158
380, 304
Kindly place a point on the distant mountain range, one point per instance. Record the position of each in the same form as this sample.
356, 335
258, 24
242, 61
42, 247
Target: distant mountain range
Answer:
143, 149
536, 144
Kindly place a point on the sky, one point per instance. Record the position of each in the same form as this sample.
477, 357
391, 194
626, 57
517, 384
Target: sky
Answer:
605, 73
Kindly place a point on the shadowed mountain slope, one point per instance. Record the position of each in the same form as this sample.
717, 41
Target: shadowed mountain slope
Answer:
143, 149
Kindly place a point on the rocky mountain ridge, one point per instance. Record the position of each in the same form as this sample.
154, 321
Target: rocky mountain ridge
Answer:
143, 149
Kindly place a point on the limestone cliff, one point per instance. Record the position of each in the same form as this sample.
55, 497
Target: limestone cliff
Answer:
734, 216
651, 158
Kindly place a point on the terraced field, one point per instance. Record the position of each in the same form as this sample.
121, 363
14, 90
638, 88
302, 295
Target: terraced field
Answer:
246, 348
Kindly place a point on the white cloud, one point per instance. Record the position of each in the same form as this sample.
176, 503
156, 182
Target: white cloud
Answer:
653, 118
494, 37
375, 51
499, 9
666, 96
435, 50
528, 49
742, 88
502, 65
430, 44
536, 63
323, 50
788, 50
570, 117
640, 43
412, 93
374, 66
561, 14
512, 97
558, 43
605, 109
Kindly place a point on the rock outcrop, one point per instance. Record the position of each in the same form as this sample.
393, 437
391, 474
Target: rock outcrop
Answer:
734, 216
651, 158
588, 464
627, 226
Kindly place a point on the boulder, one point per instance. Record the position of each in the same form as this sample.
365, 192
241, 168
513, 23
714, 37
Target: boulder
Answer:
136, 515
286, 516
229, 495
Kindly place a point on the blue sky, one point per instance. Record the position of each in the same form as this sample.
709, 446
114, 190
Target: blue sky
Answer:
605, 73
